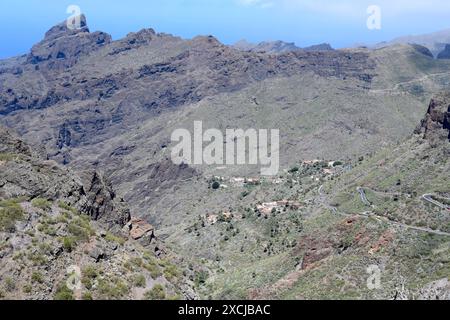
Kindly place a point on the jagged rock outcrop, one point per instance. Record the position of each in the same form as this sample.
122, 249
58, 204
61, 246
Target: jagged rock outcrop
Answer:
436, 124
27, 174
12, 144
62, 46
102, 204
134, 40
445, 54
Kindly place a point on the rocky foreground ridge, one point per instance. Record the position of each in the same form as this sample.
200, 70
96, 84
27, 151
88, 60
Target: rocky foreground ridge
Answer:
58, 228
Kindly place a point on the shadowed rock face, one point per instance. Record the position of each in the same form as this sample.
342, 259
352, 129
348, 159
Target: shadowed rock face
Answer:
436, 125
423, 50
445, 54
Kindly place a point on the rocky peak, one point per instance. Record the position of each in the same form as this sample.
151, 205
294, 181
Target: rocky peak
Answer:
62, 47
134, 40
436, 124
143, 36
61, 29
319, 47
208, 41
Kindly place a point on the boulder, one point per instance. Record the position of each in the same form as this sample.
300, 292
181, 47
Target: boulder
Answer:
139, 228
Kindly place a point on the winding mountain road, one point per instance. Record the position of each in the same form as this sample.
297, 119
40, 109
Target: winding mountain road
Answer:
397, 86
429, 198
366, 215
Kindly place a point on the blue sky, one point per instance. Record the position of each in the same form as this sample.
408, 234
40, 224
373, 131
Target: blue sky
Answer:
339, 22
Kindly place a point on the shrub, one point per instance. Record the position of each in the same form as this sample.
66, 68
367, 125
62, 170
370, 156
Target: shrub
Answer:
89, 274
156, 293
81, 228
65, 206
7, 156
41, 204
37, 277
63, 293
200, 277
37, 258
294, 170
87, 296
139, 280
114, 289
154, 269
136, 261
10, 213
171, 272
51, 231
215, 185
113, 238
69, 243
62, 219
10, 285
27, 288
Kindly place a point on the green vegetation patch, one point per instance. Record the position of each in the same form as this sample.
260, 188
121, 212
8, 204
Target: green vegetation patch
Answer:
63, 293
156, 293
10, 213
41, 203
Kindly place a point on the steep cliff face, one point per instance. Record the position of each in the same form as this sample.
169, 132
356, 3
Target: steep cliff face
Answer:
436, 125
